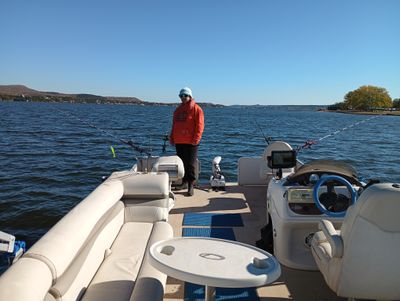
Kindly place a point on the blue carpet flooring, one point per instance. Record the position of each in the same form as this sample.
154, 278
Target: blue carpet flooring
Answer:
213, 220
195, 292
223, 233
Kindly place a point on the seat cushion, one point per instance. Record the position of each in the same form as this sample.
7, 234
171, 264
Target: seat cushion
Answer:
150, 281
126, 268
146, 210
116, 276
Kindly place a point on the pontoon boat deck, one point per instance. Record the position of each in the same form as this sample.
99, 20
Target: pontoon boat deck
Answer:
250, 203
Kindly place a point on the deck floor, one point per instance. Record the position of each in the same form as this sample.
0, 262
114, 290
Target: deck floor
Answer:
250, 202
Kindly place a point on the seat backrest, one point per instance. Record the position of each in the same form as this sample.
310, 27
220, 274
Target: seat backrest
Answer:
146, 197
172, 165
265, 171
370, 267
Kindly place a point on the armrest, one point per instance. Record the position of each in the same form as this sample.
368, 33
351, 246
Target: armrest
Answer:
333, 237
172, 200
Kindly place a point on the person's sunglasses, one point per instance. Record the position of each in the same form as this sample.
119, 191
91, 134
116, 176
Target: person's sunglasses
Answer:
184, 95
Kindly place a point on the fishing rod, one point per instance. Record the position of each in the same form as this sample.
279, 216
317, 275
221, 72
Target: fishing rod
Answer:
132, 144
137, 148
309, 143
267, 139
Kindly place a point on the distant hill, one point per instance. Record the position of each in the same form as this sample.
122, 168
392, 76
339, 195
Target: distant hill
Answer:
23, 93
18, 90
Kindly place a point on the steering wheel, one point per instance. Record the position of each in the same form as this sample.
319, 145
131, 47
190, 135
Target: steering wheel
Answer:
317, 201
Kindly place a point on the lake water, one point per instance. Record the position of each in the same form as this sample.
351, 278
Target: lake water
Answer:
50, 158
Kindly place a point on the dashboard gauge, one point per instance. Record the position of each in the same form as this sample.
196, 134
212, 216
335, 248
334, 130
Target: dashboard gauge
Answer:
313, 178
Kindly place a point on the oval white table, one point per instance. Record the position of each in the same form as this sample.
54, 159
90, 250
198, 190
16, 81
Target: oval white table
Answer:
214, 263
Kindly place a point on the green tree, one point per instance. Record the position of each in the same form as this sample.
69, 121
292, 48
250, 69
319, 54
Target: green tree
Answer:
338, 106
396, 103
367, 97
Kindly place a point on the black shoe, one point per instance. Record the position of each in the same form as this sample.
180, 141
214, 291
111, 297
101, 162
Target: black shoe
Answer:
184, 185
190, 189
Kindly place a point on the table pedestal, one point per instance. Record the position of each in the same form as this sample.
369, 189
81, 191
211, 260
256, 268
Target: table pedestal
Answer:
210, 293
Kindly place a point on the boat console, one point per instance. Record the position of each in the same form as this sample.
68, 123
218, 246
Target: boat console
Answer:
301, 201
296, 202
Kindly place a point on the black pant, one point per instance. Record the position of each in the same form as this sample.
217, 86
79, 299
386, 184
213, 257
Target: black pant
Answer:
188, 154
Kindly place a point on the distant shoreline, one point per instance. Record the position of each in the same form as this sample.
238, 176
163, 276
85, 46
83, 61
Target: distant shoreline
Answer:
386, 113
21, 93
142, 104
162, 104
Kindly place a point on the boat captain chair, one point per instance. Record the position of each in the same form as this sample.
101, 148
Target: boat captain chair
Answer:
265, 171
362, 259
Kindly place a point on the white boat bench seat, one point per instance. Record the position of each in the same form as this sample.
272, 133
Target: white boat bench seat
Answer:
98, 251
117, 275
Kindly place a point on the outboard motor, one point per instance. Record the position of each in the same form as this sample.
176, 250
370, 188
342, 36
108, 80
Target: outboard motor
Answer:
217, 180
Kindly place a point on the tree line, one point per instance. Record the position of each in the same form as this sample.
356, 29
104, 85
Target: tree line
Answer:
367, 98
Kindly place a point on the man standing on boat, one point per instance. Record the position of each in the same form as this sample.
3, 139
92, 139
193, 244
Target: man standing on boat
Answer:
187, 128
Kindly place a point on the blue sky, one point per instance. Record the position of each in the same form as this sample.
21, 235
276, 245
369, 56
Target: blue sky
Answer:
230, 52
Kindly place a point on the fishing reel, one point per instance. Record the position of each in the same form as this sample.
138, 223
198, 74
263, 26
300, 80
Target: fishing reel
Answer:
164, 146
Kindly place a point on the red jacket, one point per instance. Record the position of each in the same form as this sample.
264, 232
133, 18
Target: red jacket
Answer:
188, 124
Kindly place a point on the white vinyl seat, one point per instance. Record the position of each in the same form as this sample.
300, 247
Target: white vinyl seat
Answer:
265, 170
362, 260
99, 250
172, 165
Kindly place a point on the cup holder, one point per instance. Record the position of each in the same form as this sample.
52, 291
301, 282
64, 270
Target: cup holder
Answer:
261, 264
167, 250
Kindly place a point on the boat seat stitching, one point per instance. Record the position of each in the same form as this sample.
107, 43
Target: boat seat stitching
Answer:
46, 261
